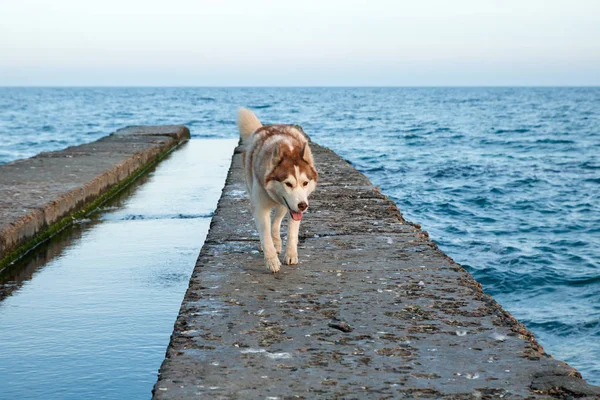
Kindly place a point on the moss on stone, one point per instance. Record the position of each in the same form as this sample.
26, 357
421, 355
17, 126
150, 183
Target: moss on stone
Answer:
65, 222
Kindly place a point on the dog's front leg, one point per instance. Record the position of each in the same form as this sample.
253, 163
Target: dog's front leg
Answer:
262, 216
280, 212
291, 248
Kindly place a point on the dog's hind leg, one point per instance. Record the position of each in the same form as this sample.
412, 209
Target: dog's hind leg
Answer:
291, 248
262, 216
280, 212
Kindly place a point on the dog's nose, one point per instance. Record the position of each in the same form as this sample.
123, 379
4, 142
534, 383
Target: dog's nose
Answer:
302, 206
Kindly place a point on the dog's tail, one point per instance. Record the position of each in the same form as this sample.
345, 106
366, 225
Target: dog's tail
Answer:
247, 123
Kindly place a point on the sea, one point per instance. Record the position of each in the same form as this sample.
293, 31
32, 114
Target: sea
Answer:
505, 180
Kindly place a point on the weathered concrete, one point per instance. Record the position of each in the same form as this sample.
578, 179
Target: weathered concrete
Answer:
39, 195
373, 310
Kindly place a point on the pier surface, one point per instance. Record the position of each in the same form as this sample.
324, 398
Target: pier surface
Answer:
373, 310
42, 194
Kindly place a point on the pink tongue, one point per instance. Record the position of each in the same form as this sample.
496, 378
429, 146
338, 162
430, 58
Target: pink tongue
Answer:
296, 216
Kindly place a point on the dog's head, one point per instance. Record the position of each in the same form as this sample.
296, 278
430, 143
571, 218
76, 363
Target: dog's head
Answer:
292, 177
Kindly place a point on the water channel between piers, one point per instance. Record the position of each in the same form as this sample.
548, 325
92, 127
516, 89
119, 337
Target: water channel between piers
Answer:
88, 314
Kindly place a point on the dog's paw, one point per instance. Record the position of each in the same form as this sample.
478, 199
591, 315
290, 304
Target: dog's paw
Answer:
260, 247
273, 264
277, 244
291, 257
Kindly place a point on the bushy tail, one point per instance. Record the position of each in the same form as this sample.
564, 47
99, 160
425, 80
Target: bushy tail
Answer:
247, 123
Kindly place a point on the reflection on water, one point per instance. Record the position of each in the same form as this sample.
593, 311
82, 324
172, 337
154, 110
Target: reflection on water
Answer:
90, 313
12, 277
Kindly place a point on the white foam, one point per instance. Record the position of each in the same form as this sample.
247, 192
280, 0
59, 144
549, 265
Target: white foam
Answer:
277, 356
251, 351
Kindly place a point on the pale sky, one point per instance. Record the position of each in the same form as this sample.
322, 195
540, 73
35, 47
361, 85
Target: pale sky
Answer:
299, 43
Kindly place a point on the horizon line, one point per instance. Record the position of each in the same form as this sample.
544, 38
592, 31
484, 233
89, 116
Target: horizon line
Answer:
292, 86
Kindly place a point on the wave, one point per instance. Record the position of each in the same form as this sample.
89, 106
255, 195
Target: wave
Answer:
555, 141
563, 329
517, 130
260, 107
589, 165
134, 217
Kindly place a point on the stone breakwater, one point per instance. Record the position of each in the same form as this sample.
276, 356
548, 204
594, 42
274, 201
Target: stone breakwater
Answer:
41, 195
373, 310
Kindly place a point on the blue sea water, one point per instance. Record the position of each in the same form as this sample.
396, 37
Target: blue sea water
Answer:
506, 180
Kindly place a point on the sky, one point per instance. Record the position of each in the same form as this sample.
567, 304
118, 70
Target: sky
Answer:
299, 43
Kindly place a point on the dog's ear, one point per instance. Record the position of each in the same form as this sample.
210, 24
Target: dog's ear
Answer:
276, 155
307, 154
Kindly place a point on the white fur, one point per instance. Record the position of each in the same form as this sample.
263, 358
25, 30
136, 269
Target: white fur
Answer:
247, 123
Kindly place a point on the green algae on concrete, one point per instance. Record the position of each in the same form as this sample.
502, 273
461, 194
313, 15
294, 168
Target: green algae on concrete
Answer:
44, 194
373, 310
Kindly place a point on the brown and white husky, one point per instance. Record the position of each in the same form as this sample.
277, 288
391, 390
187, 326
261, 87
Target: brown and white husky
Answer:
280, 174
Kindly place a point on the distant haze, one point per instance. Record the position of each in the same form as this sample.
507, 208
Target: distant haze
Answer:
299, 43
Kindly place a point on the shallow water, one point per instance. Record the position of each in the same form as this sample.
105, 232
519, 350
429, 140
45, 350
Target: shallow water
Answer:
506, 180
95, 320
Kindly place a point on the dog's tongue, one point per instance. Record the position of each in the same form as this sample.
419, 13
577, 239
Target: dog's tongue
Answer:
296, 216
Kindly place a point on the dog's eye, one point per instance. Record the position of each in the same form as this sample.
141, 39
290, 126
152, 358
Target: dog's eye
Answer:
305, 183
289, 184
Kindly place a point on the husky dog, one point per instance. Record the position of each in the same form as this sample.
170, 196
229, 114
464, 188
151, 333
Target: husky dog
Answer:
280, 174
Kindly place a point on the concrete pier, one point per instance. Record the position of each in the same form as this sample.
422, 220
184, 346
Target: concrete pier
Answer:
41, 195
373, 310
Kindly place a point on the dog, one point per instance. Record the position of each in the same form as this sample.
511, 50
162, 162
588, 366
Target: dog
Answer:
280, 174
